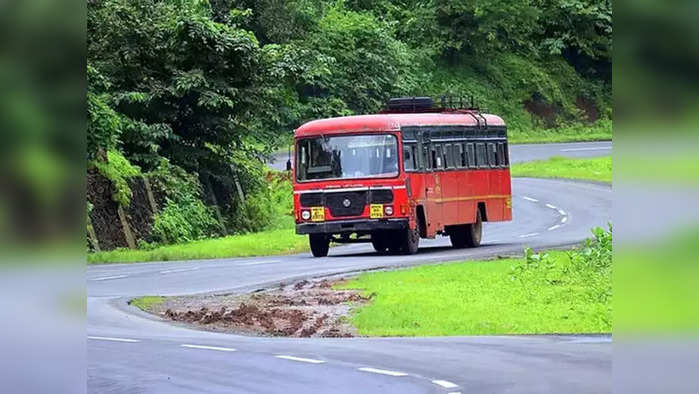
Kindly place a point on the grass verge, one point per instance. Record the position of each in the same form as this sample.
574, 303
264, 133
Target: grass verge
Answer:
600, 131
557, 292
146, 303
596, 169
281, 241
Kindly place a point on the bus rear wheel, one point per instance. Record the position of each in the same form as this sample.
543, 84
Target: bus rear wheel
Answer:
467, 235
320, 244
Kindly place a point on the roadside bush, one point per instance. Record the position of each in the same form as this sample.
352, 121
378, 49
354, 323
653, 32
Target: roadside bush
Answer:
184, 216
588, 267
269, 208
185, 220
117, 169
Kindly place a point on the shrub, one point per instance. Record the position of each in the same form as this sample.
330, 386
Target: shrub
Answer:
589, 267
117, 169
185, 220
268, 208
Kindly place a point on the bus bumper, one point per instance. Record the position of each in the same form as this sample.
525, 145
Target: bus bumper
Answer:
351, 226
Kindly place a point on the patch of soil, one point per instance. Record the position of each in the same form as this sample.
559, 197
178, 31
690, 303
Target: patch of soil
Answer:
543, 110
589, 109
104, 217
303, 309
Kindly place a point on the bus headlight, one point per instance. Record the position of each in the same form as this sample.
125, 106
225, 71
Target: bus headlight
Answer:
388, 210
305, 215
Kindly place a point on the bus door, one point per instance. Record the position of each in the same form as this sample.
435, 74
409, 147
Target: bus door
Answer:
433, 189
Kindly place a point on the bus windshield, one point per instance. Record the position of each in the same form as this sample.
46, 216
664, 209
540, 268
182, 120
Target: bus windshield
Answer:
346, 157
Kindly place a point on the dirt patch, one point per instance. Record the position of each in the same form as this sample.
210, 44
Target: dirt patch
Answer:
589, 108
303, 309
542, 110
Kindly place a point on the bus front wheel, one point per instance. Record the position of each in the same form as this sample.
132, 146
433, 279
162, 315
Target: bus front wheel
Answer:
467, 235
380, 242
319, 244
405, 241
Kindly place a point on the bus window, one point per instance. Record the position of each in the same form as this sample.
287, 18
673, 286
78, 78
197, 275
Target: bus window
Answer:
449, 156
492, 154
481, 159
437, 157
409, 157
426, 158
507, 155
461, 158
501, 154
471, 153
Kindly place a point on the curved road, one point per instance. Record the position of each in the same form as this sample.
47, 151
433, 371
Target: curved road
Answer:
130, 351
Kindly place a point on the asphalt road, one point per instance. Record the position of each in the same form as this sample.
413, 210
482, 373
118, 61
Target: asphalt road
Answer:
129, 351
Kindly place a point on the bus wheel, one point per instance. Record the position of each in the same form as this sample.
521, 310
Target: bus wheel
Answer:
467, 235
320, 244
411, 241
379, 242
405, 241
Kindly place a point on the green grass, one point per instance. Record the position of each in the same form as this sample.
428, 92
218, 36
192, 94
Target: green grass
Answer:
145, 303
599, 131
479, 298
678, 169
569, 134
282, 241
596, 169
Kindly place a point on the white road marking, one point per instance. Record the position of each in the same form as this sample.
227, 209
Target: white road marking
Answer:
551, 206
564, 219
301, 359
445, 383
530, 199
554, 227
529, 235
260, 262
179, 270
222, 349
110, 277
114, 339
581, 149
562, 212
383, 372
455, 392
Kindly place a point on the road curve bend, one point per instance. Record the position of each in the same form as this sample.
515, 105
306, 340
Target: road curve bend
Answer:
130, 351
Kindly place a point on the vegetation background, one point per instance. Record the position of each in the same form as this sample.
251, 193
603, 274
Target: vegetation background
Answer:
194, 95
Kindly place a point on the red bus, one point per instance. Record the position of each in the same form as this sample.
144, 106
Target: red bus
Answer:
407, 173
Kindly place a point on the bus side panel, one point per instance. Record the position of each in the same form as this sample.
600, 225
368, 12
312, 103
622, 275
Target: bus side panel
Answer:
449, 181
467, 206
417, 190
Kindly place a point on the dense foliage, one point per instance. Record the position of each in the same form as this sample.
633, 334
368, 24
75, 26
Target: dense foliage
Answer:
215, 86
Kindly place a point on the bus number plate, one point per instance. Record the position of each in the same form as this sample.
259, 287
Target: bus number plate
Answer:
376, 211
317, 214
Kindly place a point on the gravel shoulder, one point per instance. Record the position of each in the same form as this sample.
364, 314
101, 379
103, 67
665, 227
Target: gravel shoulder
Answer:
302, 309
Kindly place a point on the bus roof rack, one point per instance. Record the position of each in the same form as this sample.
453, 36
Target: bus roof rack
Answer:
410, 104
417, 104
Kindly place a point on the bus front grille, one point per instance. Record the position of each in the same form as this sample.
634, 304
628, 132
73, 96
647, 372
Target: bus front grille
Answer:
346, 203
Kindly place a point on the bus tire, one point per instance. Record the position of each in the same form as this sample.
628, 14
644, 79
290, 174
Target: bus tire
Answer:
411, 241
320, 244
405, 241
379, 242
467, 235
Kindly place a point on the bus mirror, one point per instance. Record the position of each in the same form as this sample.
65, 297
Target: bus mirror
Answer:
288, 165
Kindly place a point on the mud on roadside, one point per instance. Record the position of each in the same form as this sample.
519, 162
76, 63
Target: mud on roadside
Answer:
302, 309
